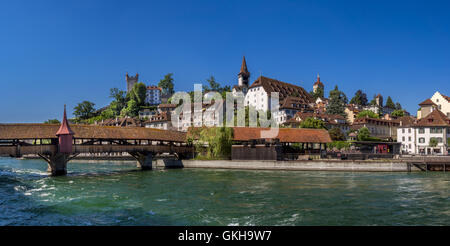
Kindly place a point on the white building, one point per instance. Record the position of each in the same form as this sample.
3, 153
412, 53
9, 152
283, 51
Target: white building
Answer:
437, 101
292, 98
416, 137
153, 96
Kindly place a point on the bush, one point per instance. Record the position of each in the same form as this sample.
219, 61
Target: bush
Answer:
339, 145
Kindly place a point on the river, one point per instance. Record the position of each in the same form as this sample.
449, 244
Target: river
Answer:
115, 193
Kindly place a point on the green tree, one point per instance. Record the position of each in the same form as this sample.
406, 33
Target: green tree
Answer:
213, 85
398, 113
336, 134
166, 84
398, 106
138, 93
433, 142
363, 134
119, 102
132, 109
338, 102
212, 142
367, 113
360, 98
84, 110
310, 122
52, 121
389, 103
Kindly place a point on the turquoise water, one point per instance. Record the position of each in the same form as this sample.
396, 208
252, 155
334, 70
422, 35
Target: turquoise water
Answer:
113, 193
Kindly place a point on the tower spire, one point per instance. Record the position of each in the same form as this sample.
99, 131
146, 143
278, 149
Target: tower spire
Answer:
64, 129
244, 69
318, 77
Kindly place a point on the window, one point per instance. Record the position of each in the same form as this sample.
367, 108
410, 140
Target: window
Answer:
409, 130
421, 140
409, 139
403, 139
421, 130
439, 140
403, 130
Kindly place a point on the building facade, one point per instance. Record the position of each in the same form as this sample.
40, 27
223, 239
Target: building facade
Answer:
153, 96
426, 136
437, 101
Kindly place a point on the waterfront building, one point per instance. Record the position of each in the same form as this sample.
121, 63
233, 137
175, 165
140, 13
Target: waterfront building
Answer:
437, 101
131, 81
416, 137
248, 144
380, 128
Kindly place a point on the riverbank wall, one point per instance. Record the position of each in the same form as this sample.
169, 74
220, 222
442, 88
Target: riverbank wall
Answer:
307, 165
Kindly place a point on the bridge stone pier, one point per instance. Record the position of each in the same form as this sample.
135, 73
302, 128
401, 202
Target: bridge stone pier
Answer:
57, 163
144, 159
57, 144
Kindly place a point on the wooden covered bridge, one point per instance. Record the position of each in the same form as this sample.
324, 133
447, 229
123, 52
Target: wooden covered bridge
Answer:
58, 144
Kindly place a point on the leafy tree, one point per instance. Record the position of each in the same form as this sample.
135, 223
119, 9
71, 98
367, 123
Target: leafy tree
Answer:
336, 134
318, 93
360, 98
389, 103
132, 109
398, 106
138, 93
433, 142
213, 85
363, 134
52, 121
310, 122
166, 84
338, 102
367, 113
218, 140
398, 113
84, 110
119, 102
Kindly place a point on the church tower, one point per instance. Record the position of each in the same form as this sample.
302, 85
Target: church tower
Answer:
131, 81
318, 84
243, 75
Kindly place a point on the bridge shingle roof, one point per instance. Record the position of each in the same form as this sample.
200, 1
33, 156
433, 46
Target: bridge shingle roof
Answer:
47, 131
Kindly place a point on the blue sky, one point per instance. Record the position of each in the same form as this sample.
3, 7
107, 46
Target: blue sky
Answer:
63, 52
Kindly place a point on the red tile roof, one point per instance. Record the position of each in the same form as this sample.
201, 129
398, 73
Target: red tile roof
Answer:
427, 102
284, 89
435, 118
285, 135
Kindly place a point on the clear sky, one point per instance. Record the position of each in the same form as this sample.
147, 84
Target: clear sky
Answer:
63, 52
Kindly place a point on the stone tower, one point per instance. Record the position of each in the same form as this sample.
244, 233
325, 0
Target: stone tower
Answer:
379, 100
318, 84
243, 75
131, 81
